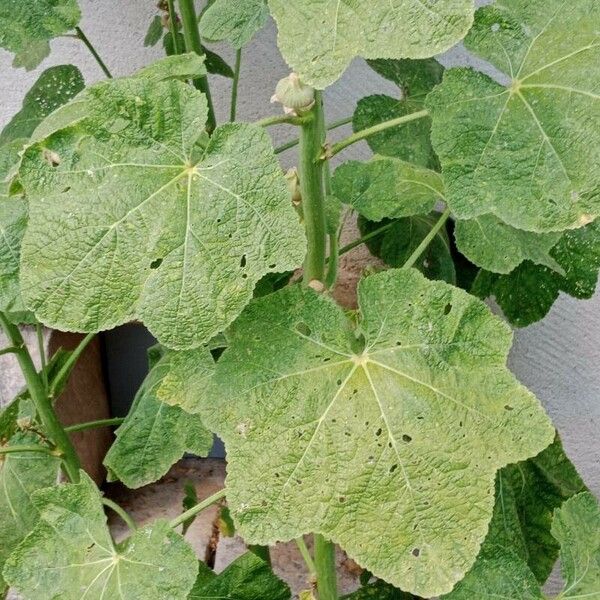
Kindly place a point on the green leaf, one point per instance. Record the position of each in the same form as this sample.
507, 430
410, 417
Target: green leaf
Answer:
154, 33
235, 21
190, 499
216, 65
246, 578
522, 151
319, 38
70, 553
498, 247
390, 451
20, 475
527, 294
379, 590
411, 142
155, 435
526, 496
129, 213
55, 86
26, 26
576, 527
180, 66
387, 188
397, 244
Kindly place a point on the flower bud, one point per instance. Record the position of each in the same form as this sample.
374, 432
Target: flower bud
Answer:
296, 98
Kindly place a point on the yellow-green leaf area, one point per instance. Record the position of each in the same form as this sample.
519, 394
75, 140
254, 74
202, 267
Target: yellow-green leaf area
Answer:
384, 437
71, 555
134, 214
319, 38
522, 150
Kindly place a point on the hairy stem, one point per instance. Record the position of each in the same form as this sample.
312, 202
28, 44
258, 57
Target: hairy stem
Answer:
95, 424
283, 120
29, 448
235, 85
325, 566
308, 559
365, 133
310, 170
414, 257
63, 375
173, 26
329, 127
191, 35
192, 512
42, 401
93, 51
121, 512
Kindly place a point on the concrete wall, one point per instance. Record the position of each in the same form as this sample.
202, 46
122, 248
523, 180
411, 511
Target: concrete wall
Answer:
558, 359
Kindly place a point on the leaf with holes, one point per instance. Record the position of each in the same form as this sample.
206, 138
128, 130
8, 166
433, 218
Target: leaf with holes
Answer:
397, 244
498, 247
522, 151
387, 188
233, 20
71, 555
319, 38
411, 141
385, 438
55, 86
155, 435
246, 578
131, 216
26, 27
528, 293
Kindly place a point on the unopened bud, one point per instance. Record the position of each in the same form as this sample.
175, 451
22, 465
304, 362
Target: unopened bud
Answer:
296, 98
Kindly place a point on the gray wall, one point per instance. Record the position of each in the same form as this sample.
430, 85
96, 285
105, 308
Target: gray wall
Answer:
559, 358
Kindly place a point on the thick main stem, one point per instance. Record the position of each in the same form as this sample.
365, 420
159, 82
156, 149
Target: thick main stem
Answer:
40, 398
193, 43
325, 566
311, 187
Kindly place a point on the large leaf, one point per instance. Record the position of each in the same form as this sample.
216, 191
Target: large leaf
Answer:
26, 26
576, 527
498, 247
131, 217
155, 435
411, 141
387, 445
523, 151
55, 86
319, 38
527, 294
234, 20
70, 553
387, 188
246, 578
379, 590
397, 244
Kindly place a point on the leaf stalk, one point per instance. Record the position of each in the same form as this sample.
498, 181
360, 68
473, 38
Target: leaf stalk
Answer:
95, 424
325, 567
414, 257
94, 53
192, 512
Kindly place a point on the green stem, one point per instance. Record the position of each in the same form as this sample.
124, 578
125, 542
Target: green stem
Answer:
332, 260
121, 512
173, 26
308, 559
329, 127
10, 350
63, 375
325, 567
414, 257
366, 238
95, 424
192, 512
42, 400
193, 43
42, 350
310, 170
235, 85
30, 448
365, 133
283, 120
95, 54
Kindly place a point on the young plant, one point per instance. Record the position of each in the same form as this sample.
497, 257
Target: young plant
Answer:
394, 430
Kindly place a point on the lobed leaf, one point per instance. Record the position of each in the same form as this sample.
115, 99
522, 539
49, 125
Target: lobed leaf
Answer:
26, 27
70, 553
388, 446
319, 38
522, 151
129, 210
411, 141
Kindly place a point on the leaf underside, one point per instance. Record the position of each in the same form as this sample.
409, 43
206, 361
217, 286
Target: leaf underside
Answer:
389, 452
